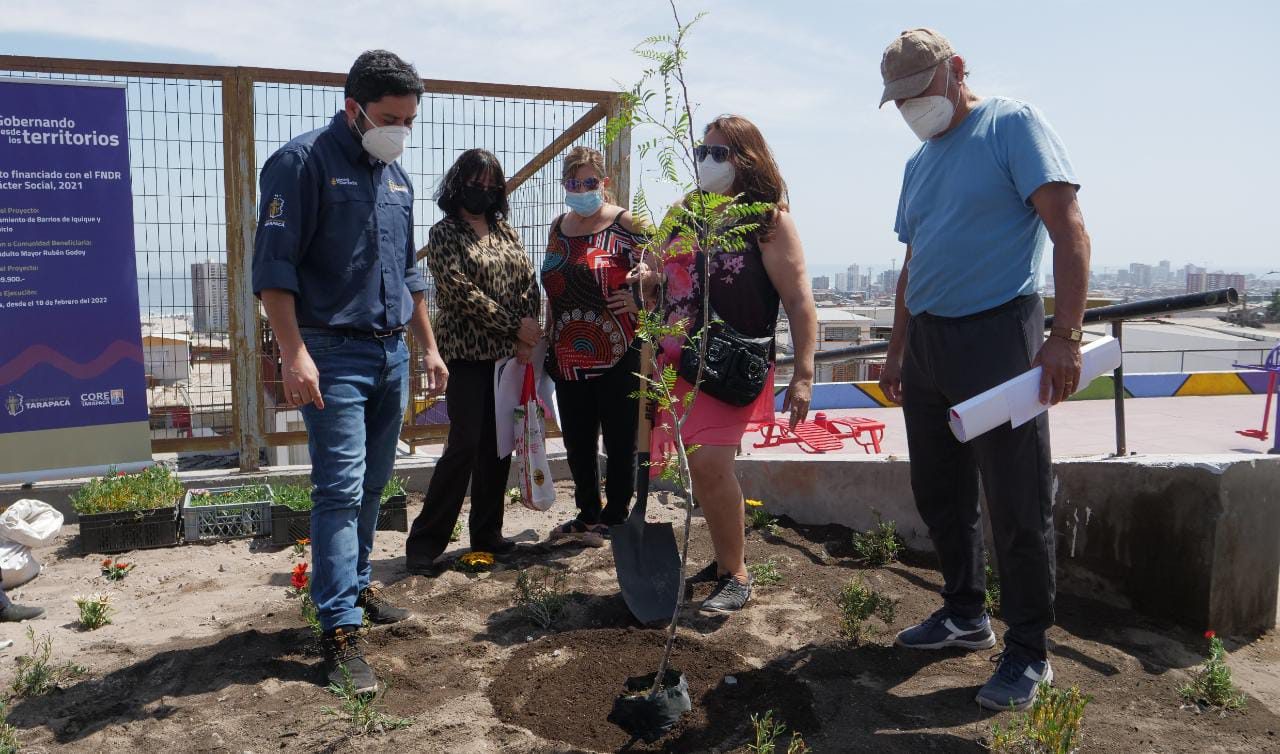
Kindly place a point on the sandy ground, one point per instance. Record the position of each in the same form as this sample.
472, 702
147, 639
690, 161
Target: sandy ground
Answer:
205, 647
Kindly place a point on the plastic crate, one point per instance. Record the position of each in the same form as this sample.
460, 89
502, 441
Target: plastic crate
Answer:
394, 514
226, 520
289, 525
128, 530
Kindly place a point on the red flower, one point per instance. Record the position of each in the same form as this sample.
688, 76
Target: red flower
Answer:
121, 566
299, 579
1209, 634
121, 473
106, 563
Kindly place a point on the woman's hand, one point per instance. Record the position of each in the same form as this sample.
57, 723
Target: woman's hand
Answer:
799, 395
623, 302
647, 278
529, 332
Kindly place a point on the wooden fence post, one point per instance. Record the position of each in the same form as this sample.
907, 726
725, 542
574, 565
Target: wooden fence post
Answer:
617, 157
241, 205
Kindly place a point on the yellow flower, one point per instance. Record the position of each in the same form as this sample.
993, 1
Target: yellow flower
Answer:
755, 504
477, 560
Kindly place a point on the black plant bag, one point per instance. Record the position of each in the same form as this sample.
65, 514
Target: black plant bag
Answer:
736, 367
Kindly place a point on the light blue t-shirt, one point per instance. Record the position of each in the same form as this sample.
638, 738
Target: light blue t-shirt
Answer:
966, 211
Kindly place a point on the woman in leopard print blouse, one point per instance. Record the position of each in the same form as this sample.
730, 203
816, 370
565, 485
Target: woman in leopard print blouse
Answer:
487, 295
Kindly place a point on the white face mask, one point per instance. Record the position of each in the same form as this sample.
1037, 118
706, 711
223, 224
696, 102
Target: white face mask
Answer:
929, 116
384, 143
715, 177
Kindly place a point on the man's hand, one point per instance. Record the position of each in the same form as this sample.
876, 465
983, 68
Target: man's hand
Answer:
436, 372
529, 331
799, 396
891, 379
301, 380
1060, 376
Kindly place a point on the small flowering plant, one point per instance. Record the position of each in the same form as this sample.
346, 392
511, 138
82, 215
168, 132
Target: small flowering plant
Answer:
300, 589
95, 610
300, 548
759, 518
115, 570
1212, 685
476, 562
299, 581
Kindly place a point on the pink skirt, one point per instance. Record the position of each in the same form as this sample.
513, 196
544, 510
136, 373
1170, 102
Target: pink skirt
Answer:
712, 421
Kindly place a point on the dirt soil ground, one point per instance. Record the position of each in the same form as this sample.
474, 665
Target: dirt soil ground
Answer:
207, 650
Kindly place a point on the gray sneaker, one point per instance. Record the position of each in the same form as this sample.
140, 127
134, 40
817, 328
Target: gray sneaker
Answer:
729, 596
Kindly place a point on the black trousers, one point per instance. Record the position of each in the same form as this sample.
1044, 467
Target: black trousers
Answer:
588, 408
947, 361
471, 457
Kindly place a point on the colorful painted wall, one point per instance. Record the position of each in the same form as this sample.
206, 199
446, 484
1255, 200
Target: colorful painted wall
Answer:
836, 395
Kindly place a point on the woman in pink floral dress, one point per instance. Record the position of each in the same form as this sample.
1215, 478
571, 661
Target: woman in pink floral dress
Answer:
747, 287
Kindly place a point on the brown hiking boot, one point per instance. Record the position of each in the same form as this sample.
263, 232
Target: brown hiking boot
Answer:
344, 661
375, 606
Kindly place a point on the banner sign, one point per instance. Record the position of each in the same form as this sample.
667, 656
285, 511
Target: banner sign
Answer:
71, 353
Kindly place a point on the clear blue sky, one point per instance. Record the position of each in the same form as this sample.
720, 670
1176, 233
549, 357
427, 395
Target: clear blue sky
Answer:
1169, 109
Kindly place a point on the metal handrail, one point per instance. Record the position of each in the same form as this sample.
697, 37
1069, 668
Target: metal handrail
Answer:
1116, 314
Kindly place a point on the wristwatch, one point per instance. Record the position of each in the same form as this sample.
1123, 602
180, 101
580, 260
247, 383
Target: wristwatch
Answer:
1069, 334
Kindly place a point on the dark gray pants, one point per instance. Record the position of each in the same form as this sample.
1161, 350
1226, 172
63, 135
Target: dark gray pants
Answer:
947, 361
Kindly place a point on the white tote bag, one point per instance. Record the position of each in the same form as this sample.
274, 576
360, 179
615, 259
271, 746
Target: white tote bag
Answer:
537, 491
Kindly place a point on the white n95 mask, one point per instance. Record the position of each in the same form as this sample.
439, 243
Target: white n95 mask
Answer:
715, 177
384, 143
929, 116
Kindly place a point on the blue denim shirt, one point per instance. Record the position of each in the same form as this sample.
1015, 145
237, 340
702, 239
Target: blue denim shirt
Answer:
335, 227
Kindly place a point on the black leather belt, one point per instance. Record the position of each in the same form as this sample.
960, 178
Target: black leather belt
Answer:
351, 332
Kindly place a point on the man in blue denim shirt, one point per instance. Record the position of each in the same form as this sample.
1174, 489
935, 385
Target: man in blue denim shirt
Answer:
334, 265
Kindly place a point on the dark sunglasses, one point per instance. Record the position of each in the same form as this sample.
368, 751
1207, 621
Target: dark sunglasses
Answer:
586, 184
718, 152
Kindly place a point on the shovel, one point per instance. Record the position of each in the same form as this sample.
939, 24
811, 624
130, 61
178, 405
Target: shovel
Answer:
644, 554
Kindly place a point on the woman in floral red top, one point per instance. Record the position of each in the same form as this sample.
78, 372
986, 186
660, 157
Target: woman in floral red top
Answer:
592, 260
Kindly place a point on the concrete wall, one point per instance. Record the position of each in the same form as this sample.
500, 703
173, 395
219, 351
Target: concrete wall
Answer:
1190, 539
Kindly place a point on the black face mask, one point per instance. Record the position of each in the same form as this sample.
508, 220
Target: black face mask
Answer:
477, 199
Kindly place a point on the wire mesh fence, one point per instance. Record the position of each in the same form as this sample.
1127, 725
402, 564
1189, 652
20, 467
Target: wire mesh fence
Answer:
178, 158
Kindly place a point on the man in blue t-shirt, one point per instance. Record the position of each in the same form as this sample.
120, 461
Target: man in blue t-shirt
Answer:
990, 183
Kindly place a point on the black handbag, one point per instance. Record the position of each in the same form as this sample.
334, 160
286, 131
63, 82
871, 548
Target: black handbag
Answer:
736, 367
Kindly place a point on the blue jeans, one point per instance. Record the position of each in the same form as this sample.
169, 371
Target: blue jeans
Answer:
365, 384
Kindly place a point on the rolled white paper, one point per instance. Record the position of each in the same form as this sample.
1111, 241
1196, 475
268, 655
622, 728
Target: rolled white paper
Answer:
1017, 401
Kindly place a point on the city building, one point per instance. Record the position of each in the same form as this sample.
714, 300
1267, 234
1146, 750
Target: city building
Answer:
888, 281
842, 281
1140, 275
209, 297
855, 279
822, 283
1199, 282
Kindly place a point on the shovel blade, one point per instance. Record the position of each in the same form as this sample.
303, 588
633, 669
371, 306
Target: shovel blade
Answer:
648, 567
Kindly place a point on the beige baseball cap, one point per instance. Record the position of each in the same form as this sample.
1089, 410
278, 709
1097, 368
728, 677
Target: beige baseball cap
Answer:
909, 63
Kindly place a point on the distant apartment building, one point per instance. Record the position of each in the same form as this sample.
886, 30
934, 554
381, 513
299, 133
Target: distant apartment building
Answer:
854, 278
1199, 282
842, 281
888, 281
1141, 275
822, 283
1164, 271
209, 297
